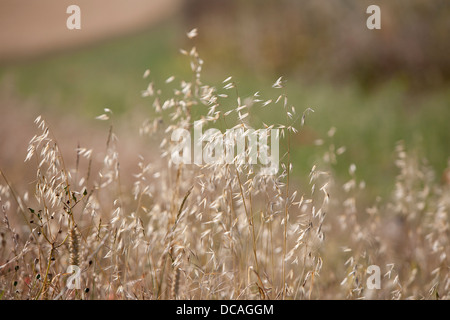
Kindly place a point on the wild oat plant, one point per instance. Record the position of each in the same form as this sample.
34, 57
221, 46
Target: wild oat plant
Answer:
217, 230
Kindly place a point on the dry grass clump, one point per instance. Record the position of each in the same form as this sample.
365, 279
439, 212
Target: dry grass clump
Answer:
216, 230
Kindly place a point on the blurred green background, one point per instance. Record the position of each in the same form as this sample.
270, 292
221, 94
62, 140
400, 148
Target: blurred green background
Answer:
374, 86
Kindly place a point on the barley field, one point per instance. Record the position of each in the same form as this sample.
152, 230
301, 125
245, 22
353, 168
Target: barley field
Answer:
94, 207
